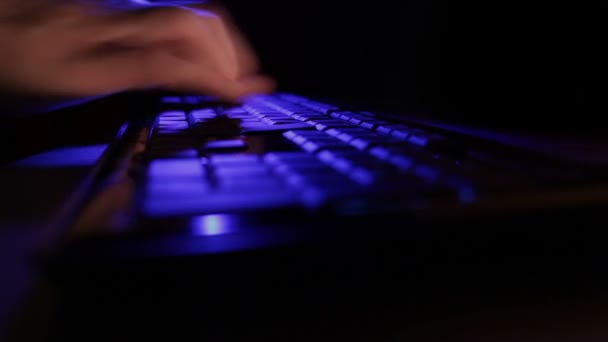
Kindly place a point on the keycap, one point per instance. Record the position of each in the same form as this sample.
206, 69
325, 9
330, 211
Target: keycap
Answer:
332, 124
371, 124
402, 162
250, 128
432, 141
351, 135
245, 170
176, 187
275, 158
173, 124
314, 146
274, 115
219, 202
172, 153
234, 159
170, 120
176, 168
380, 152
225, 145
315, 196
171, 99
387, 129
258, 183
173, 113
427, 172
302, 137
294, 168
330, 178
308, 116
240, 116
315, 121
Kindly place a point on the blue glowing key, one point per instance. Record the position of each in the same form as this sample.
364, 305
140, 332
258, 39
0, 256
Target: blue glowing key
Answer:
188, 167
176, 187
218, 202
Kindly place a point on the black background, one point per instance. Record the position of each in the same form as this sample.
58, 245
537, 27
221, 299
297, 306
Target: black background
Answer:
502, 63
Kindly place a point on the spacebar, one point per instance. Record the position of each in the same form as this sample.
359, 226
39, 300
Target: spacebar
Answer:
218, 202
260, 128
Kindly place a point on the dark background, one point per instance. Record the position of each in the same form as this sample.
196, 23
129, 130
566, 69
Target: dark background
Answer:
505, 64
516, 64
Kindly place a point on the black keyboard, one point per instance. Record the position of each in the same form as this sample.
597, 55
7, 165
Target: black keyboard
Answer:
287, 152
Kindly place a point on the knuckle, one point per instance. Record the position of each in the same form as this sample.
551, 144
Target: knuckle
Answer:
180, 21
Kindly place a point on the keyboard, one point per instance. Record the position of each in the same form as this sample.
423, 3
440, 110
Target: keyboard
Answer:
284, 152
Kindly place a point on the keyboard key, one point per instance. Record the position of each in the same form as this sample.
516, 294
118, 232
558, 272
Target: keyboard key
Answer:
172, 114
426, 172
259, 183
322, 126
201, 115
402, 162
172, 153
234, 111
234, 159
360, 144
173, 124
244, 170
351, 135
315, 121
282, 121
277, 158
225, 145
352, 155
329, 179
363, 176
380, 152
316, 196
366, 141
240, 116
176, 187
309, 116
387, 129
171, 99
400, 134
315, 146
358, 119
219, 202
428, 140
170, 120
372, 124
251, 128
191, 168
302, 137
295, 168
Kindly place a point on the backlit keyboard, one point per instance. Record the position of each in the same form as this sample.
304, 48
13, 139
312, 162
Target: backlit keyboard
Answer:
287, 152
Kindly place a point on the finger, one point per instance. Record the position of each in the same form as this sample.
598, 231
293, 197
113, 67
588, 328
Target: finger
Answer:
246, 57
190, 36
228, 51
193, 78
141, 69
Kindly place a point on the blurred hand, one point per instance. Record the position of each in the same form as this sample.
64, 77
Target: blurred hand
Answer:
79, 50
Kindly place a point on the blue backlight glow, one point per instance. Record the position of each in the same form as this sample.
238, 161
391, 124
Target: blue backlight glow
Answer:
212, 225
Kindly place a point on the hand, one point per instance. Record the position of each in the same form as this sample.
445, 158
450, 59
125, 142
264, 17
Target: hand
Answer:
80, 50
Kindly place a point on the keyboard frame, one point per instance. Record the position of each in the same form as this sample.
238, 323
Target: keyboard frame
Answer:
173, 237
